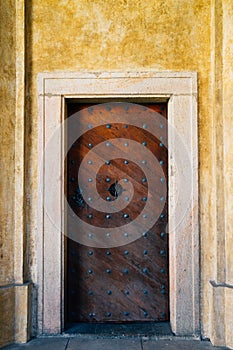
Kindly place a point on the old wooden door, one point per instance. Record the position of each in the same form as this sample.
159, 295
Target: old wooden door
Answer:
129, 282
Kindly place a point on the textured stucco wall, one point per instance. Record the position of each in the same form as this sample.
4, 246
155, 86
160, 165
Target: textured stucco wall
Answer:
7, 304
227, 132
100, 35
119, 35
7, 131
13, 291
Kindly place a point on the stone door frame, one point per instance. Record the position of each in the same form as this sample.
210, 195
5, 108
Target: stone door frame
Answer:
179, 89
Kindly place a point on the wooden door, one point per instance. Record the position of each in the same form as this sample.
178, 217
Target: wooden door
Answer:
129, 282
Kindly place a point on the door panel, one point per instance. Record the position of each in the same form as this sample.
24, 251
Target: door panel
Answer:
130, 282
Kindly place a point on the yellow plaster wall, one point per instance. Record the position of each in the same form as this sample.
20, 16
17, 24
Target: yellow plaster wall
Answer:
7, 303
228, 133
7, 134
123, 35
13, 292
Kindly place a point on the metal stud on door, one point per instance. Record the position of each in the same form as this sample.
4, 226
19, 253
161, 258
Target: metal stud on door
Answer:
130, 282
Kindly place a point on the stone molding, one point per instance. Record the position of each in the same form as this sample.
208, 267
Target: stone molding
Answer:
180, 90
